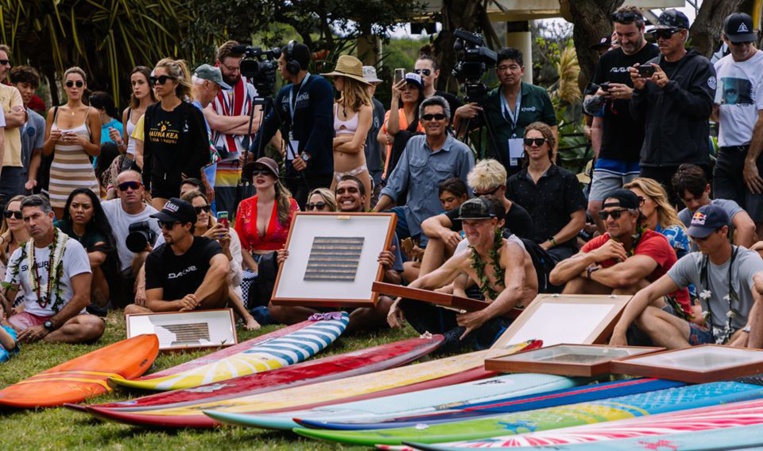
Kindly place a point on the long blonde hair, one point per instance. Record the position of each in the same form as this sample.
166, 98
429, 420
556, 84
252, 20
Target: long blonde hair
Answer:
666, 214
179, 70
354, 94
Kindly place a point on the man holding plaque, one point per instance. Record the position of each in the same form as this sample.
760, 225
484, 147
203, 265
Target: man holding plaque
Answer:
500, 267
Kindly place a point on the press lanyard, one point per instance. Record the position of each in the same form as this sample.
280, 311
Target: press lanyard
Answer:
513, 116
292, 101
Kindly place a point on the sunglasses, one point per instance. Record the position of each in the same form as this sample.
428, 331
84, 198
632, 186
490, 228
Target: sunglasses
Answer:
131, 185
488, 193
205, 208
425, 72
537, 141
168, 225
71, 83
436, 117
316, 206
735, 44
666, 33
257, 172
162, 79
626, 17
5, 62
614, 213
12, 214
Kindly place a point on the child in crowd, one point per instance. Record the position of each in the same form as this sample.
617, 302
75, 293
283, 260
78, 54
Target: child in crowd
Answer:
8, 344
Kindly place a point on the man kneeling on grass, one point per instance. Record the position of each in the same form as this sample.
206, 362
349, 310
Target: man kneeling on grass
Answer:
53, 274
187, 272
500, 267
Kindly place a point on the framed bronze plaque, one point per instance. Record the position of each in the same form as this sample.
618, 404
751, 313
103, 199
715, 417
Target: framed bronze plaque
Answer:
566, 360
333, 259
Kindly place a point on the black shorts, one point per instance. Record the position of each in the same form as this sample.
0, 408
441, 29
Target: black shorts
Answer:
165, 188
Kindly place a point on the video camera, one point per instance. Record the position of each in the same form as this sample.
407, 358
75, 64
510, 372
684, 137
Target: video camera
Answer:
473, 62
259, 67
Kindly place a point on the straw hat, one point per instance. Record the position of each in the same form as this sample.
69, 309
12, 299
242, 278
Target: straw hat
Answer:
350, 67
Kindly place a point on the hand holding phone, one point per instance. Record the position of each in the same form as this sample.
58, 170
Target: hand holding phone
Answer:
645, 70
399, 75
222, 218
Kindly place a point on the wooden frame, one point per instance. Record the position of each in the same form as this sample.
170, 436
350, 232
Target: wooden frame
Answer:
442, 299
560, 318
370, 234
566, 360
219, 325
698, 364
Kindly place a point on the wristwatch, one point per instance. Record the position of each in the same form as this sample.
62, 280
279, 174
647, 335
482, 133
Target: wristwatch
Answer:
48, 325
592, 269
746, 329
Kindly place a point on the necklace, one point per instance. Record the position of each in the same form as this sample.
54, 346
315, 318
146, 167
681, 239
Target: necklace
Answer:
721, 334
43, 289
479, 267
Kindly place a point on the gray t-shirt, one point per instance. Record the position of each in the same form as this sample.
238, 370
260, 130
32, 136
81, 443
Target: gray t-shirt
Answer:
729, 206
746, 263
32, 137
120, 222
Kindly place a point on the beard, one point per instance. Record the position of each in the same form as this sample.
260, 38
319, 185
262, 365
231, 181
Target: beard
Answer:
231, 80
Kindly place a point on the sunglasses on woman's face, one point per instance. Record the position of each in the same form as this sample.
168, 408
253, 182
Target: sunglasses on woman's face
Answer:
316, 206
71, 83
424, 72
12, 214
161, 79
537, 141
202, 208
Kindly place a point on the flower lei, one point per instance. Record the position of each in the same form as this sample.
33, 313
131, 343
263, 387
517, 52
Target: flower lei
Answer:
479, 267
722, 334
44, 288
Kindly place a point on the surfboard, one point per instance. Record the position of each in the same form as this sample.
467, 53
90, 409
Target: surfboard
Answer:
435, 373
364, 361
433, 400
85, 376
733, 416
265, 355
617, 408
454, 411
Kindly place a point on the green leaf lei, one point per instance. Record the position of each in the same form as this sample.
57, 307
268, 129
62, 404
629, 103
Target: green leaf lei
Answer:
479, 267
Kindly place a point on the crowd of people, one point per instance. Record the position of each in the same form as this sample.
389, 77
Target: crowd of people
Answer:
140, 211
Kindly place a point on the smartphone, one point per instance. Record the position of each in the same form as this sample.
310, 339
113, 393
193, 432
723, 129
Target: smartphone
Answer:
646, 70
604, 86
222, 218
399, 75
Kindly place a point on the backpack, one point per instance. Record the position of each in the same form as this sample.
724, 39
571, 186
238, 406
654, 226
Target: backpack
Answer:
543, 264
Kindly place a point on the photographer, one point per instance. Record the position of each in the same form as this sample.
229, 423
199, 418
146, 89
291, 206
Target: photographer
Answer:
126, 211
304, 114
509, 109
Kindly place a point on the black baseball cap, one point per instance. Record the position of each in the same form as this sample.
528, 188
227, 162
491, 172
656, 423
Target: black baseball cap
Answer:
176, 210
706, 220
738, 28
625, 199
604, 43
477, 208
672, 19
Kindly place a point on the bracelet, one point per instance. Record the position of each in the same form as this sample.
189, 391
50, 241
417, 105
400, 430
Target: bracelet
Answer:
553, 242
592, 269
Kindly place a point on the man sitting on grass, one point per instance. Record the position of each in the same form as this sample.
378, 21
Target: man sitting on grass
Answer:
501, 268
53, 273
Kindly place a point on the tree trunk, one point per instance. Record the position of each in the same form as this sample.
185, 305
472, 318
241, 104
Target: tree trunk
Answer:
705, 32
592, 22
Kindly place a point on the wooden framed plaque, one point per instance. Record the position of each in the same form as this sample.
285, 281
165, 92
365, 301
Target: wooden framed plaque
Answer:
698, 364
433, 297
186, 330
566, 360
333, 259
560, 318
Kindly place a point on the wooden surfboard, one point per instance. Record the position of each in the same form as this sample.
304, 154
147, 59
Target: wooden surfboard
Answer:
263, 356
84, 377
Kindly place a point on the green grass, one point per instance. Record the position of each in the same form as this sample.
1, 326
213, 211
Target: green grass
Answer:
60, 428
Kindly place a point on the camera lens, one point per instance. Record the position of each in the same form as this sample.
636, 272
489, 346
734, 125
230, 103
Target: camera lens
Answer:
136, 241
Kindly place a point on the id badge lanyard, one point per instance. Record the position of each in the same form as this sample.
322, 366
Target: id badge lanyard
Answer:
294, 144
516, 149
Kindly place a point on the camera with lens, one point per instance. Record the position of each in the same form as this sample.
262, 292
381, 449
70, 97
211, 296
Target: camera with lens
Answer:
474, 60
139, 236
259, 67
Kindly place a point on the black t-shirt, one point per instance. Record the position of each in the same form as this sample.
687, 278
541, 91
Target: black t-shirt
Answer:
453, 102
517, 221
623, 136
180, 275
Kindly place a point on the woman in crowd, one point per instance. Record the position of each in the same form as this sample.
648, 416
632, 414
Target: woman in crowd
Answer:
141, 98
263, 220
104, 103
426, 67
352, 120
12, 232
175, 143
659, 215
73, 136
207, 226
407, 95
321, 199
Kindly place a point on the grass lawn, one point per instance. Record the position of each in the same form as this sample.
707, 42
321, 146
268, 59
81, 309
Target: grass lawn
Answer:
60, 428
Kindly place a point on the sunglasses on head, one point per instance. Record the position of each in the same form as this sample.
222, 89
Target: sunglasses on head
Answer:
161, 79
425, 72
537, 141
205, 208
316, 206
436, 117
168, 224
666, 33
131, 185
12, 214
614, 213
71, 83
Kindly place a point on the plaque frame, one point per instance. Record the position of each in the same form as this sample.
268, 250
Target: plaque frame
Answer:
221, 324
550, 360
377, 229
566, 318
694, 364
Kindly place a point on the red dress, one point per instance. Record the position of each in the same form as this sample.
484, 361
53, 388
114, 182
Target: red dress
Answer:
275, 234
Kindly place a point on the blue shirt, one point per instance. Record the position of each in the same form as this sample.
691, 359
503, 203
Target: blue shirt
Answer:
420, 171
32, 137
113, 123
